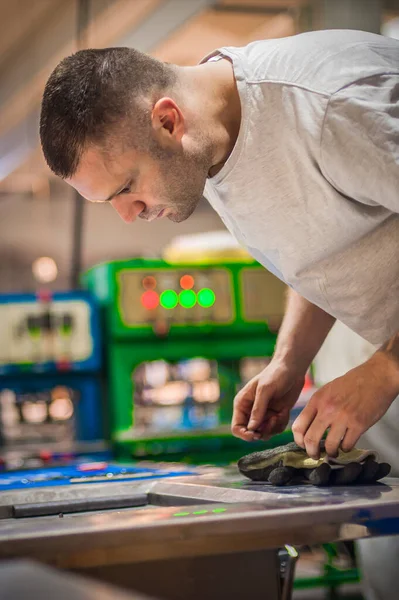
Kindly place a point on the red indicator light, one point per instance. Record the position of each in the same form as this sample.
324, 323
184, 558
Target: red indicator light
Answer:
45, 455
63, 365
149, 282
44, 296
186, 282
161, 328
150, 300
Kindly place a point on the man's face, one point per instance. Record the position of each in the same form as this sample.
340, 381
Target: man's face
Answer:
169, 184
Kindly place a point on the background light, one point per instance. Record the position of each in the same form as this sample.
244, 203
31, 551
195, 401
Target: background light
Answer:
187, 298
44, 269
150, 300
169, 299
34, 412
186, 282
206, 297
61, 409
149, 282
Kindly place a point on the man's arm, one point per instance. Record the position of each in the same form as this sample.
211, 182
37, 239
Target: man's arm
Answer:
303, 331
360, 158
351, 404
391, 349
262, 407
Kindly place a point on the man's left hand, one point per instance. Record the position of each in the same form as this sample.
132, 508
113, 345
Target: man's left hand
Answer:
348, 406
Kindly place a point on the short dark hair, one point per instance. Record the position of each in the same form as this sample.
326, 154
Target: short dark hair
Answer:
88, 93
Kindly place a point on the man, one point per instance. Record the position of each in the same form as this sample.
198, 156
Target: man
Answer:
295, 143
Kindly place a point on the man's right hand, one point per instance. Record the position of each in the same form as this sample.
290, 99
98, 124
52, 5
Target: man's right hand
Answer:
262, 407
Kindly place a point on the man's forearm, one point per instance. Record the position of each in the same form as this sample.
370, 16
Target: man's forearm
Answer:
390, 352
391, 348
303, 331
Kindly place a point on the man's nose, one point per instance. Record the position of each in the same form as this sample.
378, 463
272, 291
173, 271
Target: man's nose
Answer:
127, 208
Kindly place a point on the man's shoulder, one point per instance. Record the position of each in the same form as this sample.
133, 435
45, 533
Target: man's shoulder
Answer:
322, 61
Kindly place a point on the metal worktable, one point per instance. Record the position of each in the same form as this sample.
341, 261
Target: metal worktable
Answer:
25, 580
216, 534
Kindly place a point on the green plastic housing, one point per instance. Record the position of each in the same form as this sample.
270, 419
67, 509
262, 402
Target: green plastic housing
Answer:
173, 335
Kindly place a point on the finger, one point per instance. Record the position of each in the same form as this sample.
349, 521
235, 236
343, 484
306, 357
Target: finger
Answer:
369, 472
240, 431
348, 474
245, 390
247, 436
259, 408
243, 433
268, 428
314, 435
383, 471
251, 436
238, 425
334, 438
321, 475
280, 426
303, 422
282, 475
350, 439
242, 411
275, 424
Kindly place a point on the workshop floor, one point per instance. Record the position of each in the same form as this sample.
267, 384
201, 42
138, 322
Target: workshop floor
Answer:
351, 592
312, 565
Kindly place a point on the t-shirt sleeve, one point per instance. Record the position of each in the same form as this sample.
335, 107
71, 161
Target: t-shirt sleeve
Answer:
359, 150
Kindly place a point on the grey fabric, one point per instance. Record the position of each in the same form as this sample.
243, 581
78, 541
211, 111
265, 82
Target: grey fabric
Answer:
26, 580
379, 563
312, 190
379, 557
311, 187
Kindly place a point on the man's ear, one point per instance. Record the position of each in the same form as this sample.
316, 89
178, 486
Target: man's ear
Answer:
168, 122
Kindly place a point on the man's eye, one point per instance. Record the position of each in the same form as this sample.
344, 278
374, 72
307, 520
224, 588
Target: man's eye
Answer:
126, 190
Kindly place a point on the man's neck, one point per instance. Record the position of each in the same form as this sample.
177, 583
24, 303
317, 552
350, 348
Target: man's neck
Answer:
211, 93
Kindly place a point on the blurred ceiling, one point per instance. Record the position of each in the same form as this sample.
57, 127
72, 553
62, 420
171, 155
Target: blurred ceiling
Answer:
37, 34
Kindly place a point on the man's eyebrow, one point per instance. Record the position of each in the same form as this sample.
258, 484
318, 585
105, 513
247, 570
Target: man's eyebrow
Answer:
118, 191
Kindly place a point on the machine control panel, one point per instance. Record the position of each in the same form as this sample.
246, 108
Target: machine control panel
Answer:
173, 398
59, 409
58, 333
31, 416
150, 298
195, 296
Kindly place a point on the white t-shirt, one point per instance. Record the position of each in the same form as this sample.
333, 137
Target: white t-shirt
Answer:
311, 187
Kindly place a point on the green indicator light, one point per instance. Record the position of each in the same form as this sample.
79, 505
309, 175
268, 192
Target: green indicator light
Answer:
25, 366
187, 298
206, 298
200, 512
181, 514
34, 332
219, 510
168, 299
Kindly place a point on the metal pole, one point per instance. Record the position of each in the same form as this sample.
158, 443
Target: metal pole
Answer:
79, 204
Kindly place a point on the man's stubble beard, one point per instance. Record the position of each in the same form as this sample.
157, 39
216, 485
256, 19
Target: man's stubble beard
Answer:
183, 180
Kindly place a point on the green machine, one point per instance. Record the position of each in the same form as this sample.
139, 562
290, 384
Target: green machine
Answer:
180, 341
